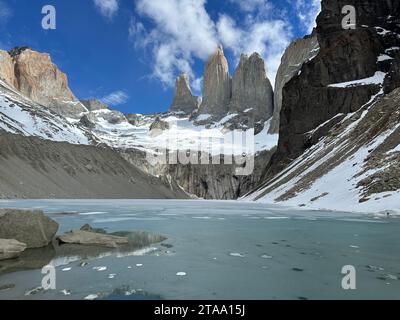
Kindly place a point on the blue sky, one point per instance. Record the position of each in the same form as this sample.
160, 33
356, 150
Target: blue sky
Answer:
128, 52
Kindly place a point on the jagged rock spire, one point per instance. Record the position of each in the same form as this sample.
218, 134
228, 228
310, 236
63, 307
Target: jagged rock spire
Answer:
217, 85
251, 89
184, 100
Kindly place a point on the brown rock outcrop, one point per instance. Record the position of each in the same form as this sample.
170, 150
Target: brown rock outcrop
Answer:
38, 78
7, 68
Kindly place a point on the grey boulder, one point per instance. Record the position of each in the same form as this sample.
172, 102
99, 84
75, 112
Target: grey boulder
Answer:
30, 227
88, 238
11, 249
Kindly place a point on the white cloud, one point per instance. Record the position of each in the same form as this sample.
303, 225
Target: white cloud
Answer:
261, 6
5, 12
197, 86
108, 8
307, 12
136, 28
228, 32
116, 98
269, 38
181, 31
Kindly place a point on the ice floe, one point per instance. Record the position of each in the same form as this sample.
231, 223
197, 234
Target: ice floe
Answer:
100, 269
237, 255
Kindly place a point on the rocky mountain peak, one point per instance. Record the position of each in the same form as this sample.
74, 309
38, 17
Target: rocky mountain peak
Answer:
7, 68
251, 89
94, 104
184, 100
217, 85
17, 51
34, 75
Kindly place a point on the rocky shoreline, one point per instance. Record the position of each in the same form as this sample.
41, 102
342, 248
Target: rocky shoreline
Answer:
29, 240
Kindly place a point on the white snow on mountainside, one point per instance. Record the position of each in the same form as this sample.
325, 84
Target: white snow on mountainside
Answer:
377, 79
21, 115
349, 170
182, 135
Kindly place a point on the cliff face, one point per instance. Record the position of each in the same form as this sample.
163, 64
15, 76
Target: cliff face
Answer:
213, 181
217, 86
184, 101
354, 167
299, 52
251, 89
246, 100
7, 68
318, 97
36, 77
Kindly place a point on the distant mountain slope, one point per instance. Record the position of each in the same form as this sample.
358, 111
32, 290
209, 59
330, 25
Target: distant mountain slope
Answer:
34, 168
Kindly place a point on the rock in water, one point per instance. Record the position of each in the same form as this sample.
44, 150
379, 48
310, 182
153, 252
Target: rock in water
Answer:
11, 249
92, 239
30, 227
299, 51
251, 89
89, 228
36, 77
183, 98
217, 86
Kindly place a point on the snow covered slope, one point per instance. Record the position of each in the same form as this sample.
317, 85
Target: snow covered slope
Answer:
182, 134
356, 167
20, 115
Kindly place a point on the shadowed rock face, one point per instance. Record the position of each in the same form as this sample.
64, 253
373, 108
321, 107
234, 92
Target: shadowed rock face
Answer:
183, 98
36, 77
248, 94
299, 51
159, 124
94, 104
251, 88
217, 86
344, 55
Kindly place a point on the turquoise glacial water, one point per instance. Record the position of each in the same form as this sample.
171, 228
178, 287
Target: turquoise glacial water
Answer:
217, 250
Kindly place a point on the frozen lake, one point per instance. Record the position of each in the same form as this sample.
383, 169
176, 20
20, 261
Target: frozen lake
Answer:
218, 250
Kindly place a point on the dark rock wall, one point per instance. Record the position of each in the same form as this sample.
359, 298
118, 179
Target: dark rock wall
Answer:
345, 55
